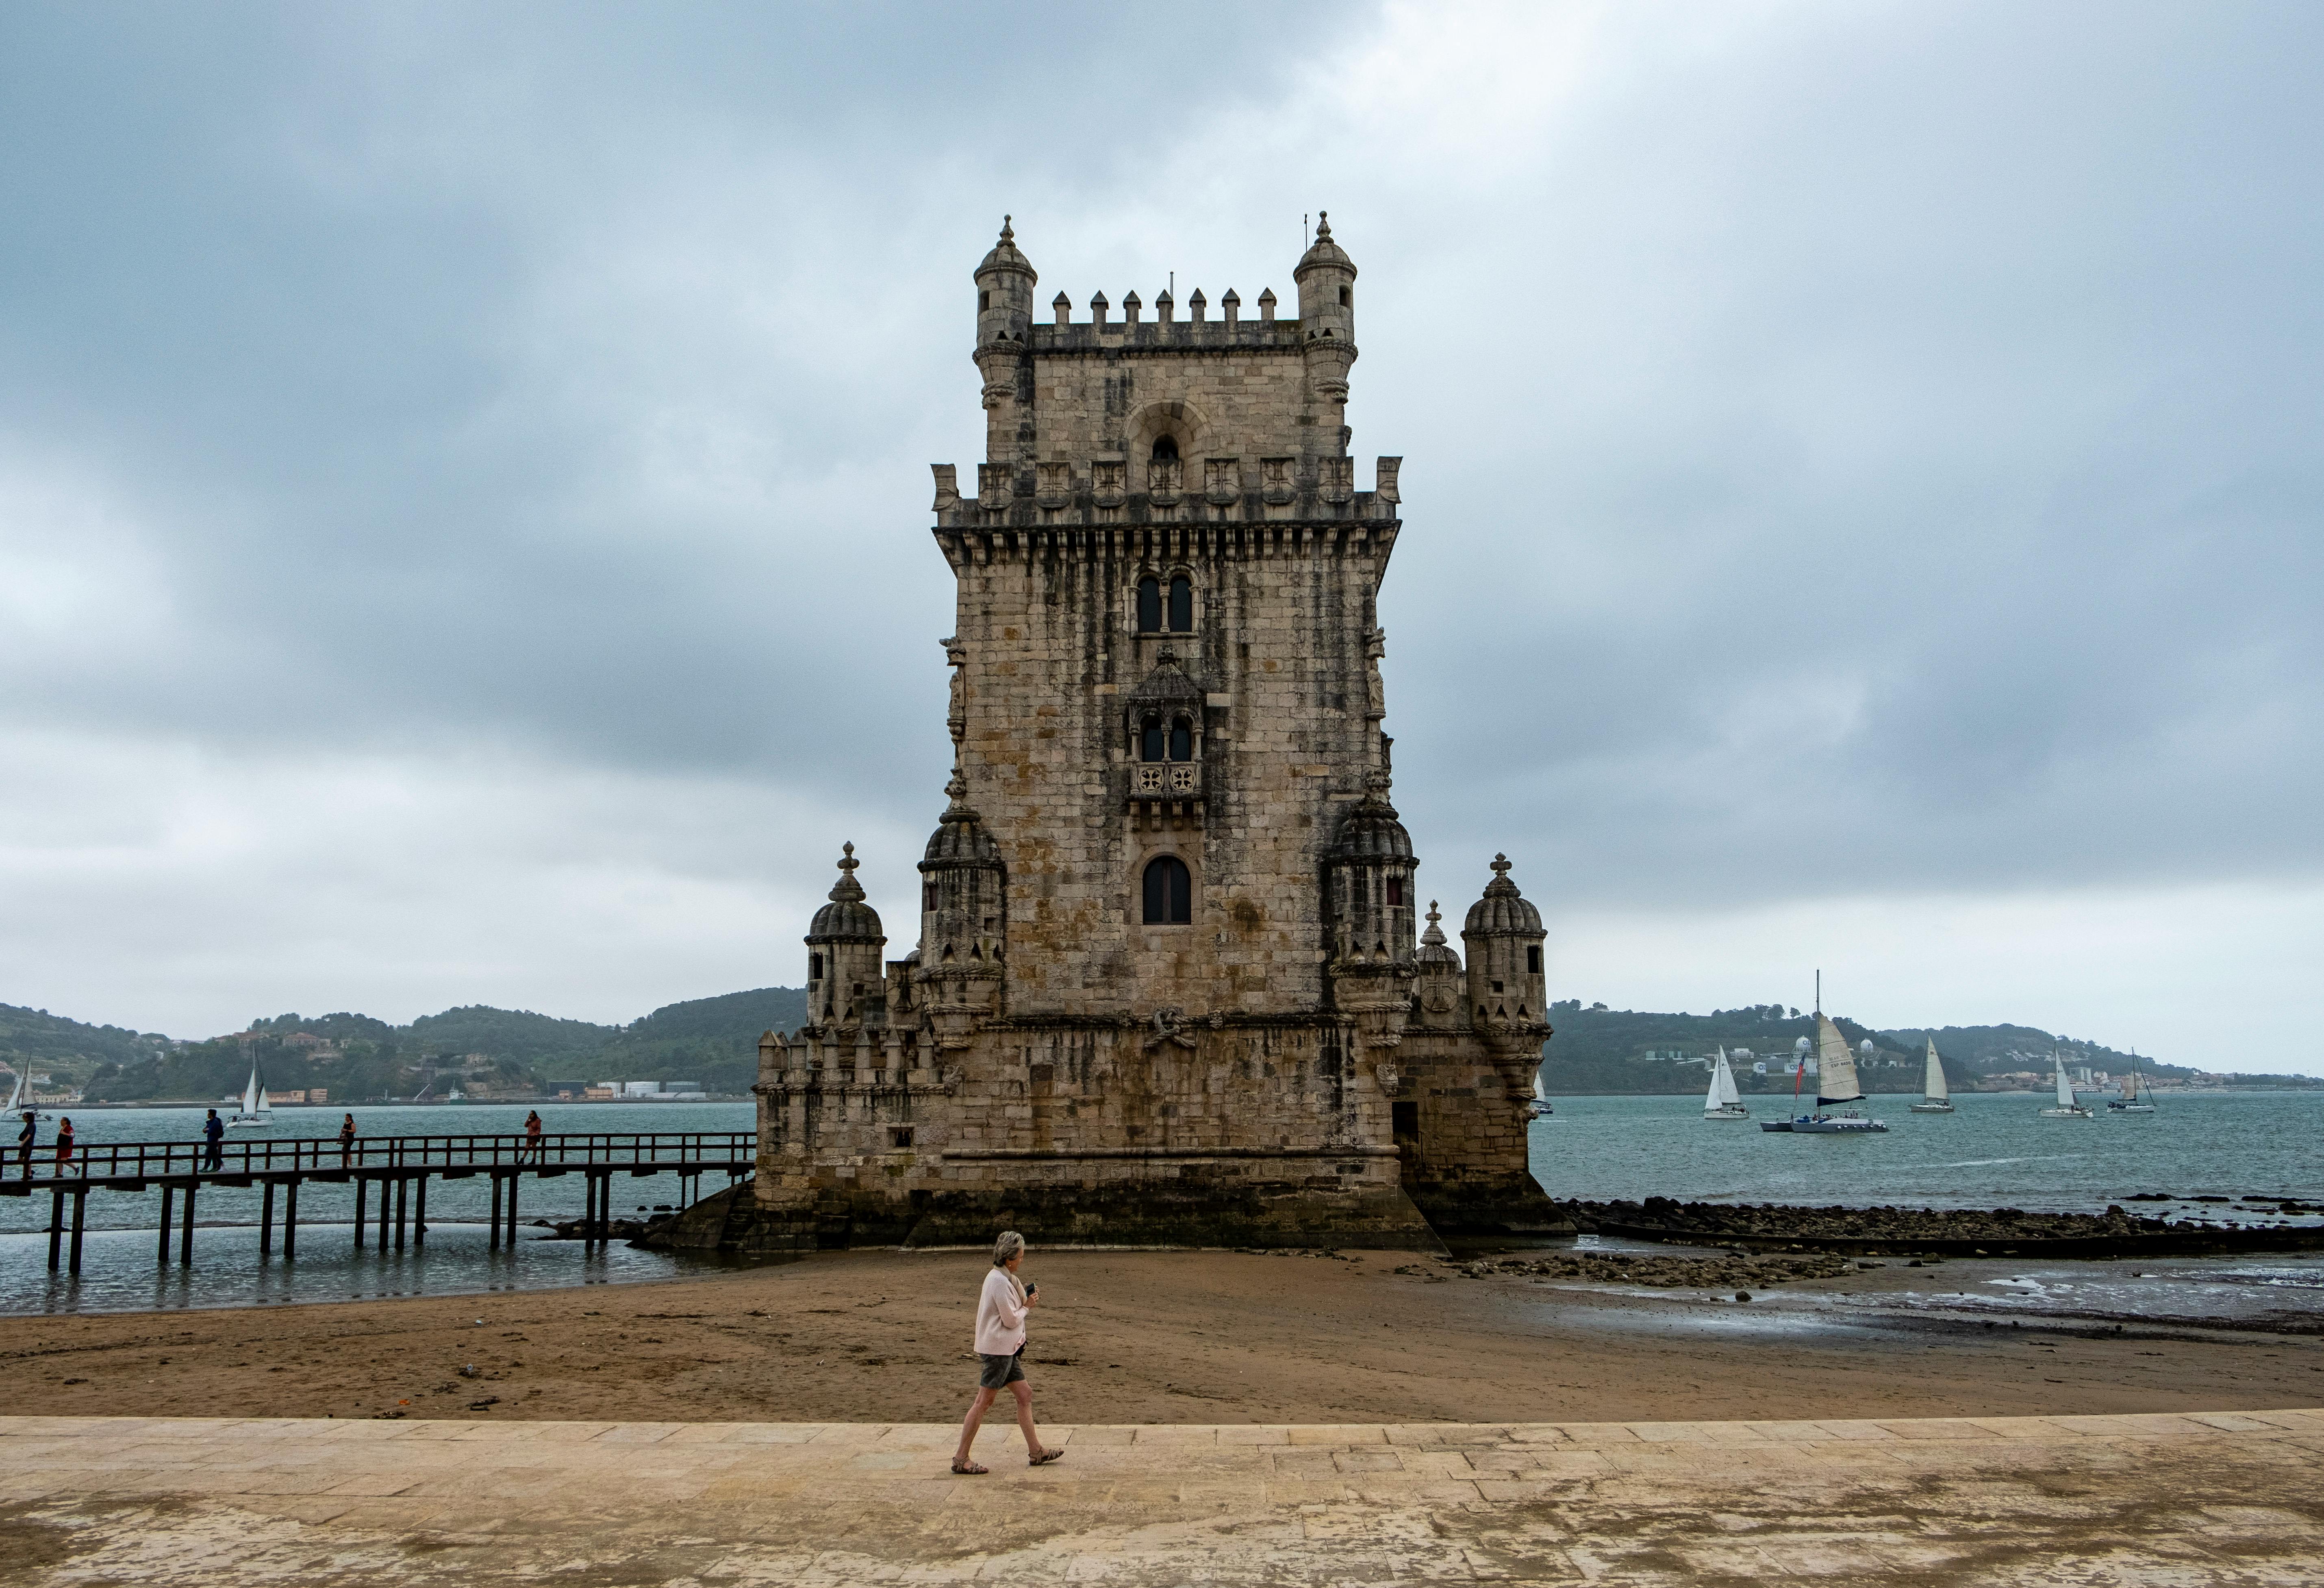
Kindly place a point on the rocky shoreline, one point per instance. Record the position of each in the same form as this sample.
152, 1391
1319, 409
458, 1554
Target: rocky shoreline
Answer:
2000, 1232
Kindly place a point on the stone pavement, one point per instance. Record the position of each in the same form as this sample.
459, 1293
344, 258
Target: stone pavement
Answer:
2206, 1498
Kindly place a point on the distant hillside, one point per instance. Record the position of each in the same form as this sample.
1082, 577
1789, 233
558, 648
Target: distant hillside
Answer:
515, 1053
484, 1051
50, 1044
1602, 1051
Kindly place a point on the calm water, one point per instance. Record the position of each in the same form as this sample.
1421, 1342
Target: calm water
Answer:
119, 1274
1996, 1151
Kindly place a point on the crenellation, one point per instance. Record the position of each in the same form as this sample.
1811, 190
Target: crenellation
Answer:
1166, 984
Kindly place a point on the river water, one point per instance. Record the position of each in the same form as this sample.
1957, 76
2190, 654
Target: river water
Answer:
1996, 1151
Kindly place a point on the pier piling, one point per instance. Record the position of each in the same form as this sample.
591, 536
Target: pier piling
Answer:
495, 1243
420, 1210
185, 1233
56, 1227
290, 1222
169, 1202
80, 1221
266, 1220
362, 1225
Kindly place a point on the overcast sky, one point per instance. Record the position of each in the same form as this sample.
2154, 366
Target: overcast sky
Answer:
464, 480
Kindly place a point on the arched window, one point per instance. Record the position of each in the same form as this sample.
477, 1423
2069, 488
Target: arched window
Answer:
1165, 449
1170, 893
1150, 739
1150, 605
1182, 606
1181, 739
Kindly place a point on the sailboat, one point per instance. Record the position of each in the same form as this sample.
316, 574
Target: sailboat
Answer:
1723, 1101
1835, 1083
2067, 1107
2136, 1096
254, 1109
1541, 1108
18, 1106
1936, 1097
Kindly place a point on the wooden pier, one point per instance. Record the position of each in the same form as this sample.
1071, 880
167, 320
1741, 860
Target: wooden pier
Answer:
400, 1167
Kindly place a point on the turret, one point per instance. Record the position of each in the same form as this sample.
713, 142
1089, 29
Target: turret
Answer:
1502, 938
1368, 874
1437, 990
964, 921
843, 953
1004, 316
1327, 327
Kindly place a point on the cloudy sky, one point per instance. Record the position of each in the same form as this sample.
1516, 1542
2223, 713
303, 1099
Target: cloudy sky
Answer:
464, 479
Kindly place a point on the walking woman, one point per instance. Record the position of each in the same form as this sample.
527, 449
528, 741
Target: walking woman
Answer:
64, 1144
1001, 1342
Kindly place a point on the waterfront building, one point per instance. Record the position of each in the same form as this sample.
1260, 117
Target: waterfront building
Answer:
1169, 981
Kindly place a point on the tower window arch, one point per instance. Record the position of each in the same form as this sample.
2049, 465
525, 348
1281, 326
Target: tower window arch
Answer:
1150, 605
1181, 739
1165, 449
1182, 605
1346, 297
1152, 739
1170, 892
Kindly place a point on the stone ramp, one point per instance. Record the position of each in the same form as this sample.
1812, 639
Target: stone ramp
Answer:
2195, 1499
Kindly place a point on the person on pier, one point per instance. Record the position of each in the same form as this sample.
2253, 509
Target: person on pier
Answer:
64, 1143
214, 1133
24, 1140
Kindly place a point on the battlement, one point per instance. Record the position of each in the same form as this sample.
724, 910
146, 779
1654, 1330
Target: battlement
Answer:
1116, 336
1286, 489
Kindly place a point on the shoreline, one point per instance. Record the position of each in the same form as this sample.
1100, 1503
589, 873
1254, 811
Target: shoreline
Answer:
1167, 1337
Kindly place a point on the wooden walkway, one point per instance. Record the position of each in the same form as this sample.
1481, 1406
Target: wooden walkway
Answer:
400, 1166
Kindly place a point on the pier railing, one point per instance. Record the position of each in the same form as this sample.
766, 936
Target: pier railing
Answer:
309, 1156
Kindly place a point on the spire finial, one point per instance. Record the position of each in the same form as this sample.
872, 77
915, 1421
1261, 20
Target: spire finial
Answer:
847, 890
1501, 865
956, 789
1007, 234
1322, 224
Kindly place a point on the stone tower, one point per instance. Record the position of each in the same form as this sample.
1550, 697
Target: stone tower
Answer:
1166, 986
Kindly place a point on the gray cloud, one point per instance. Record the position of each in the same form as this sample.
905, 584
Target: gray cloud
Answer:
1854, 452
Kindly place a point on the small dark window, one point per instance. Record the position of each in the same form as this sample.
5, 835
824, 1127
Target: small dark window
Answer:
1533, 958
900, 1135
1346, 297
928, 896
1396, 890
1497, 987
1150, 740
1149, 606
814, 967
1170, 893
1166, 450
1182, 607
1182, 740
1404, 1122
984, 300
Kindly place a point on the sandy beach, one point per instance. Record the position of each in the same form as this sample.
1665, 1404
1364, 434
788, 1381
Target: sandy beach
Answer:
1147, 1337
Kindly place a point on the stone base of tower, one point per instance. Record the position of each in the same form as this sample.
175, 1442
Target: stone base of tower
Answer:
1512, 1208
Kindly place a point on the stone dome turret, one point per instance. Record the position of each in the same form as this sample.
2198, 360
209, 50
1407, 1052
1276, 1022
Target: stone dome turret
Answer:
1324, 251
960, 839
1371, 832
1434, 948
1005, 256
1503, 911
847, 919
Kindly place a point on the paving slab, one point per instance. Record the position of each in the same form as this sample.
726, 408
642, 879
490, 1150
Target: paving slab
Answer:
2090, 1501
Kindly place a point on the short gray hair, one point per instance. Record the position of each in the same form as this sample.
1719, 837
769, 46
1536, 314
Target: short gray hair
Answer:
1008, 1246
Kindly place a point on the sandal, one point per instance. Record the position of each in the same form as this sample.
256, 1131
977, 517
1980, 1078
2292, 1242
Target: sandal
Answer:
969, 1469
1044, 1458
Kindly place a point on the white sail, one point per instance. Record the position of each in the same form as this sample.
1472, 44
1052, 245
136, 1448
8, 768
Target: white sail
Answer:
1712, 1101
1836, 1080
2130, 1083
1540, 1092
1932, 1084
1727, 1092
2065, 1087
16, 1094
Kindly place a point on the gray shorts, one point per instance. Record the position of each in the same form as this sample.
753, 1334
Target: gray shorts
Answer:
1001, 1371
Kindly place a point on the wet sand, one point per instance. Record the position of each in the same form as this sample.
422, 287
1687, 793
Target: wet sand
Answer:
1147, 1338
